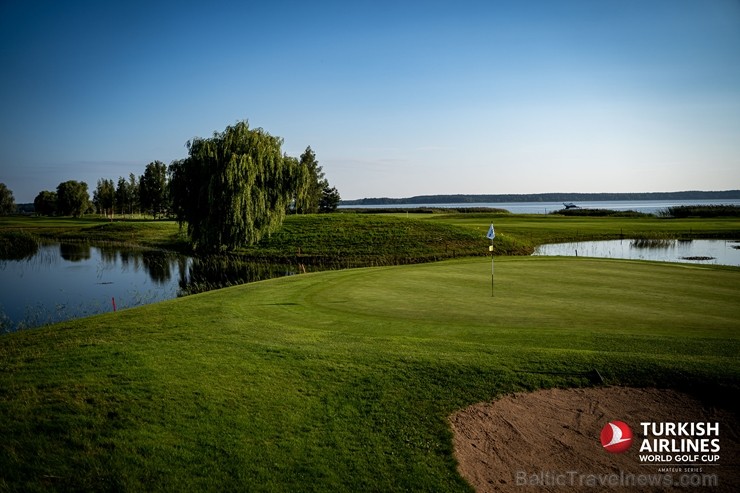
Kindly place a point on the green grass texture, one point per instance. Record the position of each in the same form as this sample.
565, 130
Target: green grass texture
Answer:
343, 380
344, 240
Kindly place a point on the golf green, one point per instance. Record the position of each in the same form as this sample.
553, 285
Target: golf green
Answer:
343, 380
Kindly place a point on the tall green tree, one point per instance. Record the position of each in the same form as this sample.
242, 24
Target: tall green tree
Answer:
7, 202
309, 196
45, 203
127, 193
179, 189
153, 192
233, 188
72, 198
122, 195
314, 193
134, 195
329, 198
104, 197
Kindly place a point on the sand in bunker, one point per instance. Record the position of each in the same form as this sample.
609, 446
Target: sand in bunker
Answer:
550, 439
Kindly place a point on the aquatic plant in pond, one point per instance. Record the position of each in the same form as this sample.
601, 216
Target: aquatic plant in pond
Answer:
17, 245
652, 243
717, 210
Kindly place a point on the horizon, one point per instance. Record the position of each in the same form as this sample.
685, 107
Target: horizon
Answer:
729, 191
397, 99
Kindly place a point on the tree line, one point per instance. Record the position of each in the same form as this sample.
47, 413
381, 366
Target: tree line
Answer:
153, 193
547, 197
232, 189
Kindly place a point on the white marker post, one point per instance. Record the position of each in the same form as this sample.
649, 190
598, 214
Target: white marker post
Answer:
491, 235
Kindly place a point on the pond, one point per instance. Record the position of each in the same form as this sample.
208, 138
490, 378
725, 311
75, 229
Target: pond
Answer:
719, 252
61, 281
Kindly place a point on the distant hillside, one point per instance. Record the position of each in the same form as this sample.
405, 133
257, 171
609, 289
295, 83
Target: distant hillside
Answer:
547, 197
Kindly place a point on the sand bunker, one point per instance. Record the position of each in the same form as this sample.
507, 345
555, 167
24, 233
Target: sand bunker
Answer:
549, 441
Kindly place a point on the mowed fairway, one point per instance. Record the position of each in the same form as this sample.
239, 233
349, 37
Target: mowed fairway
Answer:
343, 380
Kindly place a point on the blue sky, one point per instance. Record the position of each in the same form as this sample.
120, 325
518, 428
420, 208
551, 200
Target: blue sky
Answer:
396, 98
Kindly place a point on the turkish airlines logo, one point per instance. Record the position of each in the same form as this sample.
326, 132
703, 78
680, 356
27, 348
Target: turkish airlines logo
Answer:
616, 437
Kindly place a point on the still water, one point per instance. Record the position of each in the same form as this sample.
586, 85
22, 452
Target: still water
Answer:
64, 281
719, 252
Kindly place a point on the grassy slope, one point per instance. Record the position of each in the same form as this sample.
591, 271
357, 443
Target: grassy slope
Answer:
367, 240
383, 239
149, 233
342, 380
537, 229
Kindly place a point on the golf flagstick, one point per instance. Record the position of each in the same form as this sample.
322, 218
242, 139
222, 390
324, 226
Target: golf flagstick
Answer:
491, 235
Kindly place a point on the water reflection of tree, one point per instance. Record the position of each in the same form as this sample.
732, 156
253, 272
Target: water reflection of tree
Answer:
74, 252
157, 265
130, 258
213, 272
182, 269
109, 254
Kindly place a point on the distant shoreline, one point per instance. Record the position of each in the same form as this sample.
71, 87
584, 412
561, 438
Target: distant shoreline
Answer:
546, 197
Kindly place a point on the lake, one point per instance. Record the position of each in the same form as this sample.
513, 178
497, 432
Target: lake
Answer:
645, 206
64, 281
719, 252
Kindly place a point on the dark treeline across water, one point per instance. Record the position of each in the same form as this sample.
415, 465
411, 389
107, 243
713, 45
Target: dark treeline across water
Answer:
655, 207
546, 197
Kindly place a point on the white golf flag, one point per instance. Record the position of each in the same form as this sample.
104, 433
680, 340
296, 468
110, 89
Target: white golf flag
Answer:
491, 235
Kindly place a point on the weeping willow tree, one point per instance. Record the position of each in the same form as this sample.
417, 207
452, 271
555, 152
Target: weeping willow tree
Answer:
233, 188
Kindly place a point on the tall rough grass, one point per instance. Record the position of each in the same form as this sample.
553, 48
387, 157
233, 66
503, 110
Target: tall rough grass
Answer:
599, 213
685, 211
17, 245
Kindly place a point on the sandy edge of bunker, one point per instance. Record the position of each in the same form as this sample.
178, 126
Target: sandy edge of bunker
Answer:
548, 440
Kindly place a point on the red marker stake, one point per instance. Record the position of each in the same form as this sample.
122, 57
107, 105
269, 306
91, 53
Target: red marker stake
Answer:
114, 304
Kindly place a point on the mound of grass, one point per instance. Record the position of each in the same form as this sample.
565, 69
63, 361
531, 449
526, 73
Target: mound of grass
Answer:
145, 233
355, 240
537, 229
343, 380
163, 234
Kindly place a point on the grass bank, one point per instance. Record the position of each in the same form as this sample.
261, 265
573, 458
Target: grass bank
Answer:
536, 229
342, 380
353, 239
139, 232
